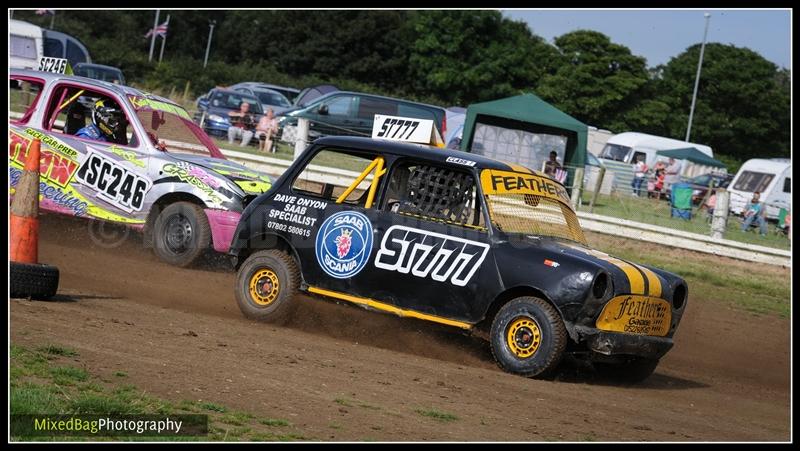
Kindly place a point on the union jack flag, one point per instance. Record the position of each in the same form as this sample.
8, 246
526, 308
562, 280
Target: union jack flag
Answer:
43, 12
160, 30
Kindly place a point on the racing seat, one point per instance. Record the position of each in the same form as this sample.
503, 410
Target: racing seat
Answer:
76, 118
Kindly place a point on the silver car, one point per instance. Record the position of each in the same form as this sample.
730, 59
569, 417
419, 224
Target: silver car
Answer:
158, 172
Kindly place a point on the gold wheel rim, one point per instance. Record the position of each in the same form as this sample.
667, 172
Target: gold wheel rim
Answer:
523, 337
264, 287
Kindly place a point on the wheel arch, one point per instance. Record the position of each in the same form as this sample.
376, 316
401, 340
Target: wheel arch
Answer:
267, 241
164, 201
509, 295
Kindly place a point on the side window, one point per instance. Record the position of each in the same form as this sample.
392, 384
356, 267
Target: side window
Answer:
368, 108
787, 185
24, 95
636, 156
53, 47
74, 53
71, 110
341, 177
434, 193
340, 105
406, 110
22, 46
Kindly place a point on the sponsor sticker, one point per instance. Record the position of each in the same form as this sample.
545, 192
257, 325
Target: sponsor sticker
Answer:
455, 160
344, 243
641, 315
506, 182
53, 166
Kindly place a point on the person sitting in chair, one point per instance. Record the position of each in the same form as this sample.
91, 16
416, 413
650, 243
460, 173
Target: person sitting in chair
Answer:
755, 212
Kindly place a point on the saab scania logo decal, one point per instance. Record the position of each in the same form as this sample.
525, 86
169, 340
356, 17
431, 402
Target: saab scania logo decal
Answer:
423, 253
344, 243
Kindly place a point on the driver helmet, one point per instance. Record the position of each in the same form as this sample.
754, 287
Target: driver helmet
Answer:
106, 117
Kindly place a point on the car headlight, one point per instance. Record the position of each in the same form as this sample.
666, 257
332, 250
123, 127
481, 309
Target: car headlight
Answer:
216, 118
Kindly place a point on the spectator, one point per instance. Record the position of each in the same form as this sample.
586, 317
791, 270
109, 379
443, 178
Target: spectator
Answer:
755, 211
551, 165
710, 204
654, 188
242, 123
266, 129
673, 174
639, 172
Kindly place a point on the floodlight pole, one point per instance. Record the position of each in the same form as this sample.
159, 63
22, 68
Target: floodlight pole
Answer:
211, 24
153, 36
697, 78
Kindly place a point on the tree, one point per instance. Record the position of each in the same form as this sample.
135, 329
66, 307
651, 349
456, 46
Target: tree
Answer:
469, 56
597, 82
743, 101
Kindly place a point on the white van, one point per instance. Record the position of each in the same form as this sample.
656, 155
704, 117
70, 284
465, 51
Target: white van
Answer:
625, 147
770, 177
25, 45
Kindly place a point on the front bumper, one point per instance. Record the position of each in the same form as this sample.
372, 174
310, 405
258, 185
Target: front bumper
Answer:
223, 225
616, 343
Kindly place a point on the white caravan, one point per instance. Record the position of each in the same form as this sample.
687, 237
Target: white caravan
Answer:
25, 45
626, 147
770, 177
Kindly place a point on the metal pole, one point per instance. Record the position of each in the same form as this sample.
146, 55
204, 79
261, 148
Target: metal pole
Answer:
52, 19
208, 47
697, 78
163, 41
153, 35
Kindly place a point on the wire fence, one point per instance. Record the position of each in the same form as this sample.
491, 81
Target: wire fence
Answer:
616, 192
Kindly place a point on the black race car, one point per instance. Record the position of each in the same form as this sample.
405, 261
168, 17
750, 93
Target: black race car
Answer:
458, 239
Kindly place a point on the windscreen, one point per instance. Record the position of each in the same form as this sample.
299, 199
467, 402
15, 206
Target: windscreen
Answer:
232, 100
169, 128
272, 98
751, 181
530, 204
615, 152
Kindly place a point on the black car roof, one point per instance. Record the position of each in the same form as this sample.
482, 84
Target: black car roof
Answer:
419, 151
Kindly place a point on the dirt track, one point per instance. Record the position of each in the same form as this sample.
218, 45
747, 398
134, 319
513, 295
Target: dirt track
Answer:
179, 334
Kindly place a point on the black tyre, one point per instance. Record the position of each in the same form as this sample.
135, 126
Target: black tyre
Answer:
181, 234
33, 280
631, 370
528, 337
266, 285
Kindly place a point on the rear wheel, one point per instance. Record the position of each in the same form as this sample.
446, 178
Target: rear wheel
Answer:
528, 337
266, 285
181, 233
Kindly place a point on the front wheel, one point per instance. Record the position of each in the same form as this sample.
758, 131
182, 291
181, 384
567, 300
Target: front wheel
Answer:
528, 337
181, 233
266, 285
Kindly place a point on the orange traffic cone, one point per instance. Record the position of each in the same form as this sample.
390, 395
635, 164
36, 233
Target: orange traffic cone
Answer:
24, 226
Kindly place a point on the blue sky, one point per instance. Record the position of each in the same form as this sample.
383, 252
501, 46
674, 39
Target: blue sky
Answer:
659, 35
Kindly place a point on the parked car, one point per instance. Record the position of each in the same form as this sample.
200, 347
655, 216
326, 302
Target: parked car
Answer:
116, 154
289, 93
457, 239
353, 113
99, 72
309, 94
269, 97
700, 184
213, 108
